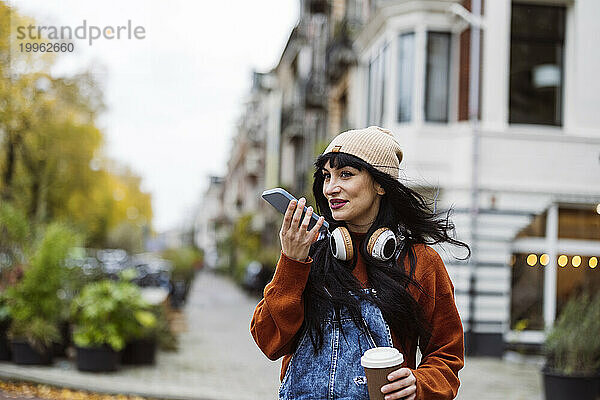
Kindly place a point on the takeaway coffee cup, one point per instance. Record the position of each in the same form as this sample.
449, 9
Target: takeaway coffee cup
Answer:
378, 362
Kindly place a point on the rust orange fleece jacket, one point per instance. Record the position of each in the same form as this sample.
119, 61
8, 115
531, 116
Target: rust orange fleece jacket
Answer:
279, 315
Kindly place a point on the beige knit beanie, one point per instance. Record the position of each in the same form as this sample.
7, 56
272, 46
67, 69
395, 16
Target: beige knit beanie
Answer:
375, 145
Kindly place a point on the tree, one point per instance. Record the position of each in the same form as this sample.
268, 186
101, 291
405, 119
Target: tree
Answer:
52, 165
17, 86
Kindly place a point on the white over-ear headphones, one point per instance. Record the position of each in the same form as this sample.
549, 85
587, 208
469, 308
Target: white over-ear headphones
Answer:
381, 245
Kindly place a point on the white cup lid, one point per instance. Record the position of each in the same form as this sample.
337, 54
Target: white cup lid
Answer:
381, 357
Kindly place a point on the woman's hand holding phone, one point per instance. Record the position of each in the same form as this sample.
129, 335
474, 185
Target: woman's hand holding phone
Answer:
294, 234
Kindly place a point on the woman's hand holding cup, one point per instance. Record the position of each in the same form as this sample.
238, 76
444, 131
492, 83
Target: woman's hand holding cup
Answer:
294, 234
403, 385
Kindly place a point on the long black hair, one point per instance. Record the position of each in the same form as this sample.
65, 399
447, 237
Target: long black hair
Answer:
331, 284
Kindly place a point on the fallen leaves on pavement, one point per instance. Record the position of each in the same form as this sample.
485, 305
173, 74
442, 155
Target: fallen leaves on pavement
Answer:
22, 390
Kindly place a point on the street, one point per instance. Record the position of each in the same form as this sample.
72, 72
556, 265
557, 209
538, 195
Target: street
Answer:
218, 360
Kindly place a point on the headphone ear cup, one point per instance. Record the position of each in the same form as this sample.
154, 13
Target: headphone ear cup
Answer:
340, 244
382, 244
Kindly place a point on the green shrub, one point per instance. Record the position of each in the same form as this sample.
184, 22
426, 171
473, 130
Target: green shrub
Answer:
34, 304
573, 345
184, 262
167, 340
226, 251
245, 243
15, 236
110, 313
4, 311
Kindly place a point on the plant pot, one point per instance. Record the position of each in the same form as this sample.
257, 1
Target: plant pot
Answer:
59, 348
565, 387
97, 359
140, 352
5, 353
25, 354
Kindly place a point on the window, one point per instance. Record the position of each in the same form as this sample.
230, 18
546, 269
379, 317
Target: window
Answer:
575, 274
576, 270
438, 76
370, 90
527, 294
536, 64
376, 93
579, 222
406, 61
537, 227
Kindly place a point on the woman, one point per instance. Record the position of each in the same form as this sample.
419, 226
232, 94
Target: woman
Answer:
376, 283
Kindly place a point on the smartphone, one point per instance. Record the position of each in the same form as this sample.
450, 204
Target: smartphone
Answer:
280, 199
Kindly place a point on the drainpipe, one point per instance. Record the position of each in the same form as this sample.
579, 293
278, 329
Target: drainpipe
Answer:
474, 19
474, 118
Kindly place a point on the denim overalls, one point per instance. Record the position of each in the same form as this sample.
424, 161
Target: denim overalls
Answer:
335, 371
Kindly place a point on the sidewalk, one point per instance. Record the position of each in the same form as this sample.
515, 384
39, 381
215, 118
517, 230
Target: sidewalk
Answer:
218, 360
494, 379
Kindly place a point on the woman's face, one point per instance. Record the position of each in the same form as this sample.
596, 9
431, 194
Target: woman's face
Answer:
353, 196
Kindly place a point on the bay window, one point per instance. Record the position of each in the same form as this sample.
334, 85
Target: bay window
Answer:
376, 87
437, 83
406, 73
536, 64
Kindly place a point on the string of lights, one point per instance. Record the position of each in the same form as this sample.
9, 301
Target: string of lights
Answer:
562, 261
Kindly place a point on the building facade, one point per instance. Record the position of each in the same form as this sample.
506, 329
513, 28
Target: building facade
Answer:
206, 232
524, 178
521, 171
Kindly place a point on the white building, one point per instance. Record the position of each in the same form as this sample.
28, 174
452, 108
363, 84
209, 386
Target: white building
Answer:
208, 215
252, 166
302, 84
531, 165
523, 179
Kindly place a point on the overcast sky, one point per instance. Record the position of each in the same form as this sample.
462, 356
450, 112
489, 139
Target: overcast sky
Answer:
174, 96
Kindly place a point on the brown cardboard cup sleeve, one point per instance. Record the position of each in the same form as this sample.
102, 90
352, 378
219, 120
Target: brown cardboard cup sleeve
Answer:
378, 362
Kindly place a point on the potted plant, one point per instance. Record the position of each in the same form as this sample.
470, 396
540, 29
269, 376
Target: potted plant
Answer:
32, 339
140, 348
573, 351
106, 315
14, 237
183, 260
34, 304
75, 278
